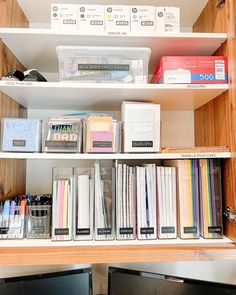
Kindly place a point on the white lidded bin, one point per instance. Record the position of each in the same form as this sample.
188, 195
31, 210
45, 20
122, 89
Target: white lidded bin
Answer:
103, 64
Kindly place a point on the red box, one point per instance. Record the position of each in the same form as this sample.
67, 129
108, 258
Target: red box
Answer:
191, 69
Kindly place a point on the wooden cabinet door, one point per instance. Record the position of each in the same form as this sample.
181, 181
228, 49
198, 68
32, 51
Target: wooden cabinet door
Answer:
12, 172
215, 122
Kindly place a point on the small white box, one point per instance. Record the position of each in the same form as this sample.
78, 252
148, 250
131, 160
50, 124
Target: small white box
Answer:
117, 19
91, 18
142, 19
167, 19
64, 17
141, 127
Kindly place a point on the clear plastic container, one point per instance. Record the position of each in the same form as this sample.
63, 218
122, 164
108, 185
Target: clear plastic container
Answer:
103, 64
84, 204
62, 136
12, 226
102, 136
104, 203
62, 204
38, 225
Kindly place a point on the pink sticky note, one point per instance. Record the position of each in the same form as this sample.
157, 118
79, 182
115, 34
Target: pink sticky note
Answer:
101, 142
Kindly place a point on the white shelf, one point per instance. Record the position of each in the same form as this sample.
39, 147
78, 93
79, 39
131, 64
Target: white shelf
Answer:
151, 156
105, 97
35, 48
49, 243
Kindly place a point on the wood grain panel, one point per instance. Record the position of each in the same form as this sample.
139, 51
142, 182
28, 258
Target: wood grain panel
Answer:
11, 15
13, 172
215, 123
113, 254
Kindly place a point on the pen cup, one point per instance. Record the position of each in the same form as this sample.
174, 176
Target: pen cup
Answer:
12, 226
38, 224
102, 136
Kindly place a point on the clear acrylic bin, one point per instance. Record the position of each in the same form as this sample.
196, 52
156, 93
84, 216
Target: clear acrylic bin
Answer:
103, 64
38, 225
83, 204
102, 136
62, 204
104, 202
62, 136
12, 226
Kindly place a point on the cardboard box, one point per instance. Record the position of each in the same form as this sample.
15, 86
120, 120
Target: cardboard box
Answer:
167, 19
192, 69
64, 17
142, 19
117, 18
91, 18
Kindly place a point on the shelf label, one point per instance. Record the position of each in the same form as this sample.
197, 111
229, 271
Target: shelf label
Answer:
197, 156
215, 229
147, 230
69, 144
190, 230
126, 231
38, 229
18, 142
142, 144
196, 86
61, 231
104, 231
168, 230
83, 231
18, 83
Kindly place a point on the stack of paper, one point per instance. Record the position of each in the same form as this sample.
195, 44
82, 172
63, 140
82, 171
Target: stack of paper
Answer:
104, 199
62, 204
146, 202
188, 197
166, 199
210, 198
125, 202
84, 198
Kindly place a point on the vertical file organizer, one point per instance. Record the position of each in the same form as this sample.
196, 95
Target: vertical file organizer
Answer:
12, 219
188, 197
166, 199
104, 202
125, 202
62, 204
84, 203
146, 202
210, 198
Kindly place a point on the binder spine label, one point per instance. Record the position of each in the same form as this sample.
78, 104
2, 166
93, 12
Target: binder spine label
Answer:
147, 230
190, 230
126, 231
61, 231
215, 229
104, 231
168, 230
83, 231
142, 143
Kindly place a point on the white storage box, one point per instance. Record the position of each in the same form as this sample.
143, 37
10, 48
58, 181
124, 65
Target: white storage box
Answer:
141, 123
103, 64
21, 135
